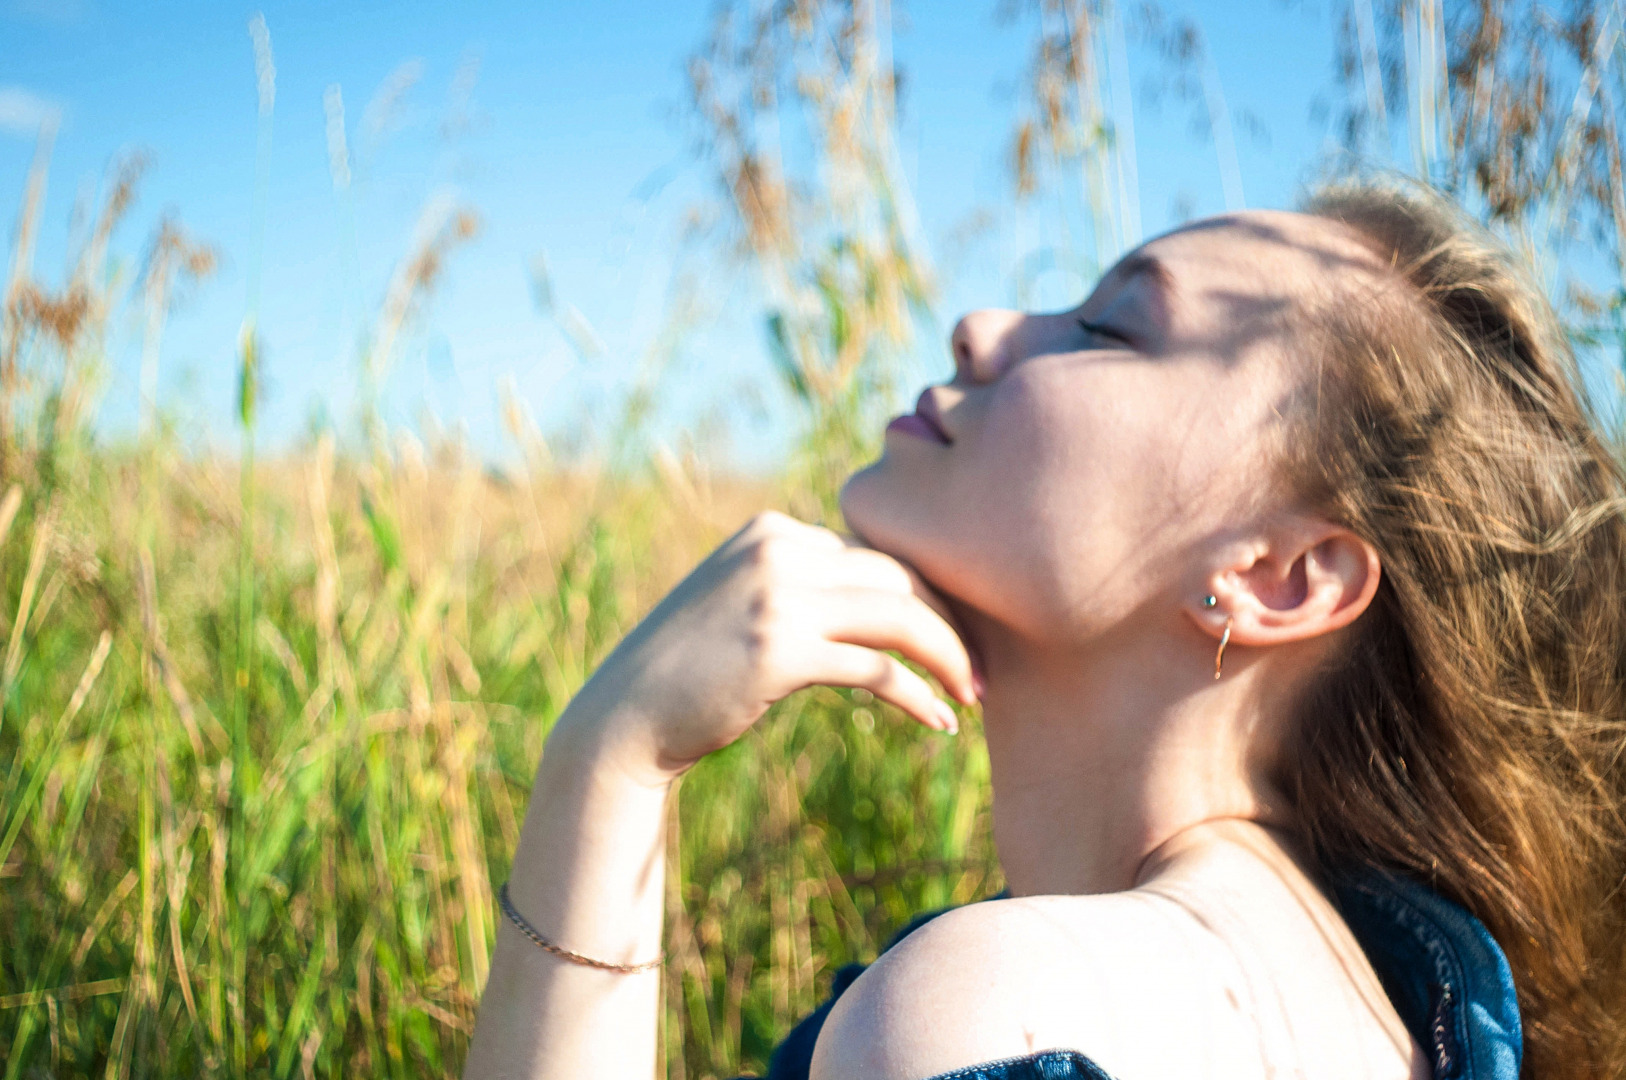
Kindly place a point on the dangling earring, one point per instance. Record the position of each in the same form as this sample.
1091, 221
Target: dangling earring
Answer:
1225, 639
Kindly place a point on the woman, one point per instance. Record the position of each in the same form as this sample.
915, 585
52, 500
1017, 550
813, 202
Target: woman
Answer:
1288, 570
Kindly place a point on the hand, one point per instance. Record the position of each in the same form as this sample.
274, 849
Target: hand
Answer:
779, 606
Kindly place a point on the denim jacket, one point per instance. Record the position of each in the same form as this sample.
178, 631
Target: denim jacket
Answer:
1442, 970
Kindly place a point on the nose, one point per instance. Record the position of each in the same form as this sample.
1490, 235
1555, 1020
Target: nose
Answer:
984, 343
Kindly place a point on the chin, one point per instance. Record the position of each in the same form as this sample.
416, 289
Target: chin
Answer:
865, 504
955, 556
893, 517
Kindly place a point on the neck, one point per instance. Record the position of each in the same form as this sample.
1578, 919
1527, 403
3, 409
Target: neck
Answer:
1102, 755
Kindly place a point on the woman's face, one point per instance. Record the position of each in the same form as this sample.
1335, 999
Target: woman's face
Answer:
1094, 462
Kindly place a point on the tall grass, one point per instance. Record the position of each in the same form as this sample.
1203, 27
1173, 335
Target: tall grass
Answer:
267, 729
418, 627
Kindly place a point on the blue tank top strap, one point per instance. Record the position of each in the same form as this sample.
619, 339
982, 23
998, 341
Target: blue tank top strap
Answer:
1045, 1065
1443, 971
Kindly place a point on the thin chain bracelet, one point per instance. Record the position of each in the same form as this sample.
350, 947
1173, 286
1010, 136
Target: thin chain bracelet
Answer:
575, 957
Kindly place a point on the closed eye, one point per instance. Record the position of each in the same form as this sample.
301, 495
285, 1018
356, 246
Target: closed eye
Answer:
1097, 330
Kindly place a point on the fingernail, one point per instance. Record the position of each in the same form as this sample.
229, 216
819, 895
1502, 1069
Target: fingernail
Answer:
977, 684
951, 722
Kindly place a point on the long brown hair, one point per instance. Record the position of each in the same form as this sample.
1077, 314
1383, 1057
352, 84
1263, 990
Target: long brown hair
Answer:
1473, 732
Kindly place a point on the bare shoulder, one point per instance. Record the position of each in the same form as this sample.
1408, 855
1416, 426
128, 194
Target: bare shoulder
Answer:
1214, 969
1104, 975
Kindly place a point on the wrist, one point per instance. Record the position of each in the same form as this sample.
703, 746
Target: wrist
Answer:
595, 826
612, 746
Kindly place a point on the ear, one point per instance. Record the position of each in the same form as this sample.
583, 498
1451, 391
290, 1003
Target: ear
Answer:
1307, 579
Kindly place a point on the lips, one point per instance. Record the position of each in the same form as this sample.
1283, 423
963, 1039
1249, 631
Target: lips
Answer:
926, 409
926, 422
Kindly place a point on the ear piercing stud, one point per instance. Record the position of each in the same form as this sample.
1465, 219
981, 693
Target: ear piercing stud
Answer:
1210, 600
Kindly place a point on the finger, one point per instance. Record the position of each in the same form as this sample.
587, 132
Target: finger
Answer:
773, 528
878, 619
886, 571
772, 522
872, 569
840, 664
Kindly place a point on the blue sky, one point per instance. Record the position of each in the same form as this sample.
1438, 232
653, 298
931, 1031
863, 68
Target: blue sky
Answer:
574, 149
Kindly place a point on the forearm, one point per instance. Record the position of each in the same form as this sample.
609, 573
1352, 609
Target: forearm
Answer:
588, 875
778, 606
